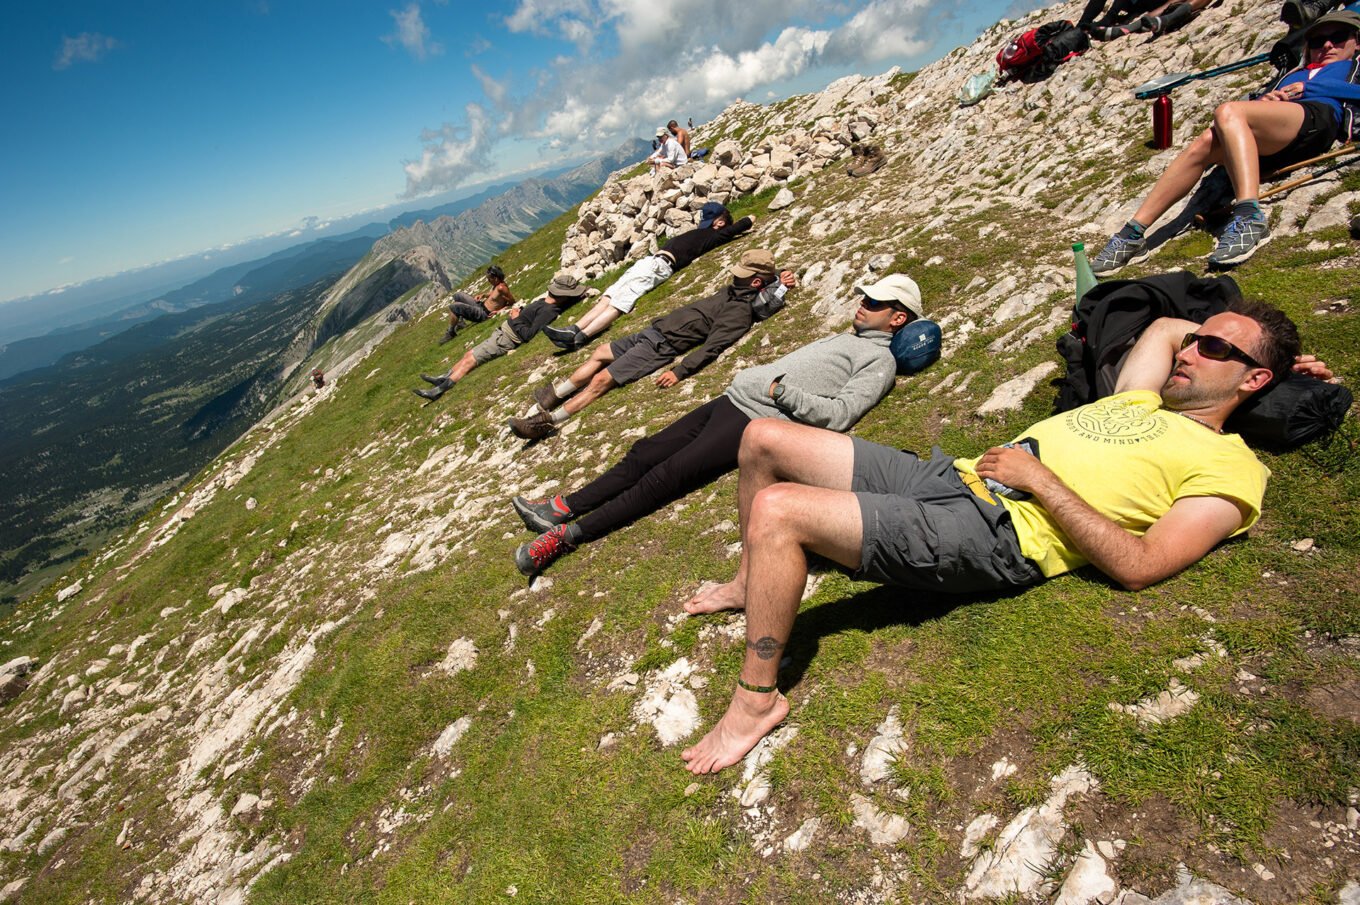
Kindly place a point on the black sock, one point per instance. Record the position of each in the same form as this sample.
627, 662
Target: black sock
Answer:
1249, 208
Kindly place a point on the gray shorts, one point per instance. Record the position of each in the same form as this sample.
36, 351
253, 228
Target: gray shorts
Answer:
639, 354
923, 528
494, 346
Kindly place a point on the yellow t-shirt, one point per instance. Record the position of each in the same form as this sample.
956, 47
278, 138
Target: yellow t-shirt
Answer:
1130, 459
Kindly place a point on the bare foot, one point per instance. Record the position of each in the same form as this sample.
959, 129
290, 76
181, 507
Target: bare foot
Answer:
714, 598
750, 717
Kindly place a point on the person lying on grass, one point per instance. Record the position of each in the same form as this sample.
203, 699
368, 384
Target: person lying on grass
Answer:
1295, 121
831, 382
1013, 516
521, 324
716, 227
708, 327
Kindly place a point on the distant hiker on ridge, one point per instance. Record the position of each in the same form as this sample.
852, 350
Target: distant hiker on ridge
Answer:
1011, 517
707, 326
668, 154
477, 308
715, 228
831, 382
518, 328
1298, 119
681, 135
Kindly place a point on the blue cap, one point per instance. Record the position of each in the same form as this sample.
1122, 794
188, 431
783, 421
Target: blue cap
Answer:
711, 211
916, 346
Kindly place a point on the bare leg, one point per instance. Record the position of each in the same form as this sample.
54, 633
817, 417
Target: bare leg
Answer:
597, 362
598, 322
1249, 130
1180, 177
773, 451
599, 385
787, 522
596, 310
464, 365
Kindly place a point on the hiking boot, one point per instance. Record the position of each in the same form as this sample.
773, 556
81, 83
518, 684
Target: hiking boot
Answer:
873, 159
537, 555
541, 515
441, 386
547, 397
1119, 252
1240, 240
430, 378
564, 338
535, 427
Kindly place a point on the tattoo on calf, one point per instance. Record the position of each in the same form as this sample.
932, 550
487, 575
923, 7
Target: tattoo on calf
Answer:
766, 647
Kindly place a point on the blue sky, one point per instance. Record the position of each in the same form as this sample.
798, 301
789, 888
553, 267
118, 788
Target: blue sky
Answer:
139, 132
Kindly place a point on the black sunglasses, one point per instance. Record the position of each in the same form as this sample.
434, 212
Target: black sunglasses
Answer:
1217, 348
874, 304
1336, 38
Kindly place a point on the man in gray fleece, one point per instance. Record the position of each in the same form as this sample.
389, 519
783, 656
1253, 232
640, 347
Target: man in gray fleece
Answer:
828, 383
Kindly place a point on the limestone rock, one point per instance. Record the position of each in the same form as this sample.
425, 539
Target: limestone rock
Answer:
883, 828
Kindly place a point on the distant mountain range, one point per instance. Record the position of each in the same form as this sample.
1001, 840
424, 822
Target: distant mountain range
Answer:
461, 242
140, 399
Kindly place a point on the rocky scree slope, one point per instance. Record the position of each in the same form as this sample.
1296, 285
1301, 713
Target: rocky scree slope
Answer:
315, 675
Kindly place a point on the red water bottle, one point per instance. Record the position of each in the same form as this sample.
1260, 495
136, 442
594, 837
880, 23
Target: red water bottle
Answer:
1161, 122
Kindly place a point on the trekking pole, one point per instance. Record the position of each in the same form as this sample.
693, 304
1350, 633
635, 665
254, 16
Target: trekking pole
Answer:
1217, 215
1163, 84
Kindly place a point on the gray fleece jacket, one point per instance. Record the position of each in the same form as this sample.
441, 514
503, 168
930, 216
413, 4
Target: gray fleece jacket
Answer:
829, 383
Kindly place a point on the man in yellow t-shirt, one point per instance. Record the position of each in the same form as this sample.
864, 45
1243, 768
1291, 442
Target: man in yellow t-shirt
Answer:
1140, 484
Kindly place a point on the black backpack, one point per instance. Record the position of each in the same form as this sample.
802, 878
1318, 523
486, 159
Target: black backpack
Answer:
1111, 316
1034, 55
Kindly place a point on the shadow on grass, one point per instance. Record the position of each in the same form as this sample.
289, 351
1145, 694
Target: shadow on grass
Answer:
868, 611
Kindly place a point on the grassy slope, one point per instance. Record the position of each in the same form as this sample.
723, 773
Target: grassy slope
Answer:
528, 801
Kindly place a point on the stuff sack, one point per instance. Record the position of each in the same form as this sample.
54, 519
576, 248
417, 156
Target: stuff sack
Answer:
1291, 413
1034, 55
916, 346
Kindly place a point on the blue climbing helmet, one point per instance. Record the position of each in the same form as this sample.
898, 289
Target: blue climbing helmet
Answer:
916, 346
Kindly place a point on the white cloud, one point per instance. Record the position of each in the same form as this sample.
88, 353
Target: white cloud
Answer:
412, 33
638, 63
490, 87
452, 154
86, 47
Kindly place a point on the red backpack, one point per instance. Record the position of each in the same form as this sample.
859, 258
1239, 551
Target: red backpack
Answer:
1034, 54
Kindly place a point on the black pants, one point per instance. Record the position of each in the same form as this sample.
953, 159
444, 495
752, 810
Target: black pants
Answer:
661, 468
1120, 12
468, 308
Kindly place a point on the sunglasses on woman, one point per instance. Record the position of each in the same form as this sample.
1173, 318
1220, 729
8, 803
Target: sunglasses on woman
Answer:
1335, 38
1216, 348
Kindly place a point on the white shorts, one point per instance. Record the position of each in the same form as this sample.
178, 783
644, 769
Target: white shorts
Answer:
645, 275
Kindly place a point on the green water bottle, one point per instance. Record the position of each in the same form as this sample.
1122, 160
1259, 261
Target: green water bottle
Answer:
1085, 278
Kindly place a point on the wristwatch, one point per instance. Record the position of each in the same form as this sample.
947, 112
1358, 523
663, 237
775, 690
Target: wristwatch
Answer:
778, 390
